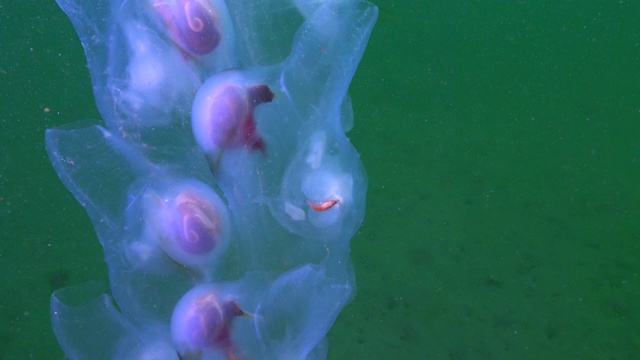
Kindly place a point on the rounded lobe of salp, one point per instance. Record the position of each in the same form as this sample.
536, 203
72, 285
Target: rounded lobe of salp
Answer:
193, 25
201, 322
190, 223
149, 342
316, 197
151, 92
222, 116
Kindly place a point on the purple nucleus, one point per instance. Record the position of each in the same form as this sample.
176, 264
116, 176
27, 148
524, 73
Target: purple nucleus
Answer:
192, 24
189, 222
231, 121
223, 113
198, 223
202, 320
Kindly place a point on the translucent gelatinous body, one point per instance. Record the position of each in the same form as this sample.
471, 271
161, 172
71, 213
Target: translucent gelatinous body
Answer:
222, 186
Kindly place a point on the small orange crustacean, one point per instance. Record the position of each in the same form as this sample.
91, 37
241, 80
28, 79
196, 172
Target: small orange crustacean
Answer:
324, 205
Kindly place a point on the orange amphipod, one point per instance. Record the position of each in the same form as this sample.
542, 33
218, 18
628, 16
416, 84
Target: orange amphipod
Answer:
323, 206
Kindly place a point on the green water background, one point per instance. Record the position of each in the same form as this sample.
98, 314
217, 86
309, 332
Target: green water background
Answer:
501, 143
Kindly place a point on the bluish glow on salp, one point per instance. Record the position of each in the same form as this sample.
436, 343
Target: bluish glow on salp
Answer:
221, 185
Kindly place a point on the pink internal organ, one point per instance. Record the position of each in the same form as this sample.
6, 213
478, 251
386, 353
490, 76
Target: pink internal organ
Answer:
205, 323
231, 120
199, 226
192, 25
